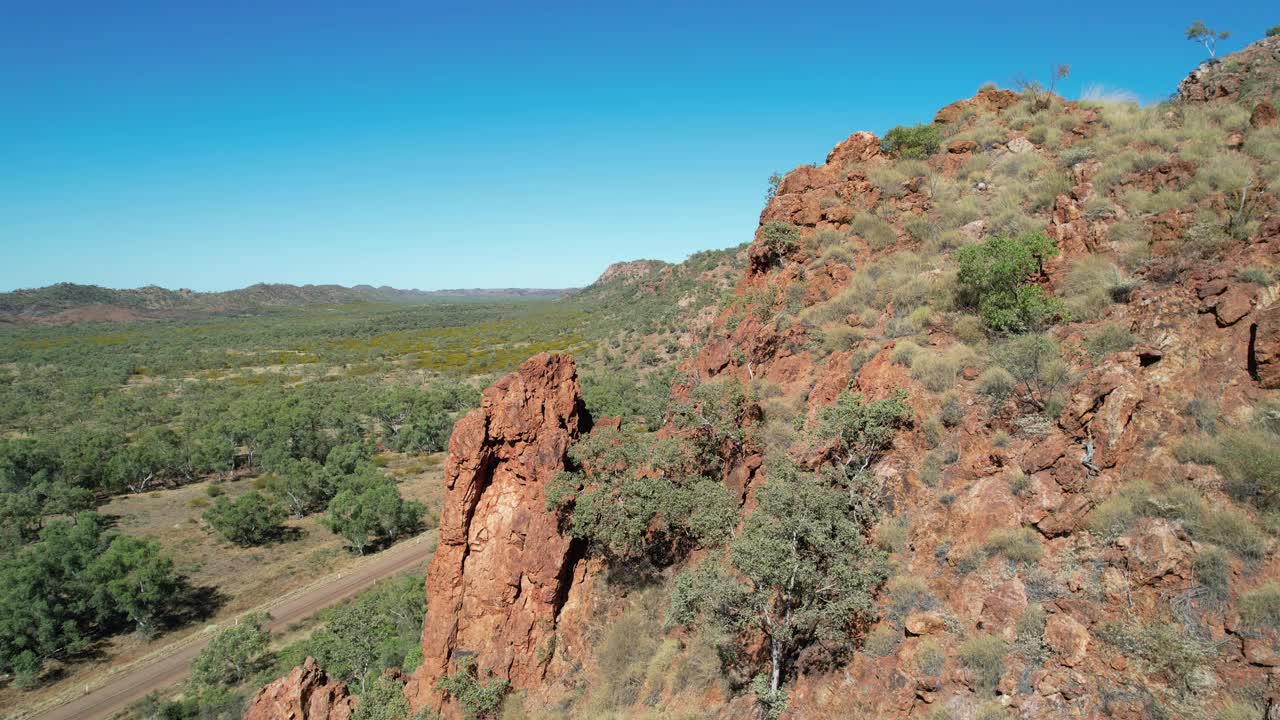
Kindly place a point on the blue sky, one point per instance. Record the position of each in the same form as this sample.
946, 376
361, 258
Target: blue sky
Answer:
429, 145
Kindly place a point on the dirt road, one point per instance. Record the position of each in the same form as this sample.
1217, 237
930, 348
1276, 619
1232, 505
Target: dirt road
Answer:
169, 665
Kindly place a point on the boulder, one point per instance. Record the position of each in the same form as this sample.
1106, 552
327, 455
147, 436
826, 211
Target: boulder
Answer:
504, 568
1020, 145
1155, 551
1067, 638
1232, 305
925, 623
1002, 607
306, 693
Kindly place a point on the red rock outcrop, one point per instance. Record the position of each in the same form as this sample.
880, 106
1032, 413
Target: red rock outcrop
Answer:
988, 99
306, 693
503, 569
1264, 115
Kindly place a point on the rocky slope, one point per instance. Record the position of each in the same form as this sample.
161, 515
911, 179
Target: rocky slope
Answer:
1080, 531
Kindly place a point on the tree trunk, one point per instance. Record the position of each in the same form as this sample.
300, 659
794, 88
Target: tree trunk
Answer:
775, 658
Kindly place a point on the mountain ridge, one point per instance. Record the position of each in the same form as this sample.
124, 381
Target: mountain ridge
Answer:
73, 302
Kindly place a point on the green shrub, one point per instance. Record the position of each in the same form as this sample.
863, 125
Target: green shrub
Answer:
368, 511
1017, 545
983, 656
479, 700
1260, 607
1273, 31
233, 654
251, 519
993, 278
780, 237
917, 142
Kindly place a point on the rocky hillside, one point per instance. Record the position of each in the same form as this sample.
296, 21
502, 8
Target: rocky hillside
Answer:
68, 302
989, 428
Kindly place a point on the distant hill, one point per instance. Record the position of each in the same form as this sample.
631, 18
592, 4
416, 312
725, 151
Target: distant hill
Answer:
70, 302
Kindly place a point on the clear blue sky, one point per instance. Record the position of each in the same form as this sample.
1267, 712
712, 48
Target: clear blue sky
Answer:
211, 145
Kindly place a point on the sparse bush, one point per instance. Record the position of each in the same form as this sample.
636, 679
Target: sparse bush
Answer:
1250, 462
1199, 449
1108, 339
1234, 531
996, 383
1260, 607
1035, 362
1163, 646
892, 534
1092, 285
1213, 572
1237, 710
1030, 633
1205, 414
916, 142
1019, 483
1017, 545
983, 656
938, 371
930, 658
908, 593
931, 467
878, 233
882, 641
1207, 238
905, 352
952, 412
1254, 274
1112, 516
